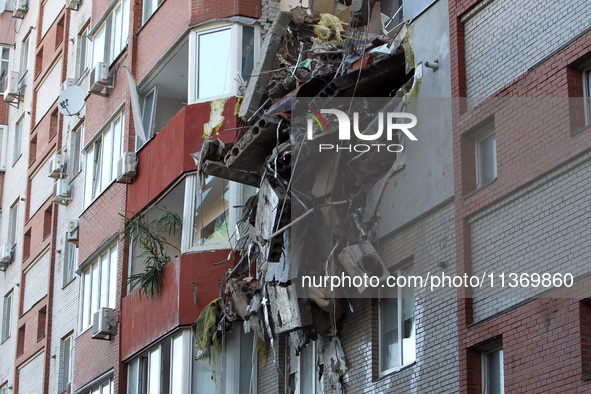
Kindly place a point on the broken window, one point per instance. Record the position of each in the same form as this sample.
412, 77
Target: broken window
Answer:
397, 326
210, 220
304, 371
223, 56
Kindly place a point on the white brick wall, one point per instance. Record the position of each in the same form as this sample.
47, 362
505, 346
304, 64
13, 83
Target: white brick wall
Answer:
544, 228
51, 10
507, 37
49, 91
36, 281
30, 379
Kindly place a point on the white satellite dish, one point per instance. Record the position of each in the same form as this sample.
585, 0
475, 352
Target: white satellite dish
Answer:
71, 100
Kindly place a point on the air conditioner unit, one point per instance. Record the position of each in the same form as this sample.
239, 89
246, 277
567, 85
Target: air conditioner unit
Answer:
99, 77
12, 92
72, 233
61, 192
126, 167
73, 4
5, 254
362, 258
57, 166
21, 7
67, 83
102, 324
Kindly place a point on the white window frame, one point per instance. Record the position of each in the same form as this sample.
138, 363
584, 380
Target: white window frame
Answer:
112, 34
485, 361
66, 378
400, 321
84, 52
13, 224
317, 384
4, 63
17, 151
76, 153
235, 66
478, 156
24, 59
4, 388
92, 190
7, 312
70, 262
155, 4
106, 386
91, 297
150, 127
3, 146
191, 196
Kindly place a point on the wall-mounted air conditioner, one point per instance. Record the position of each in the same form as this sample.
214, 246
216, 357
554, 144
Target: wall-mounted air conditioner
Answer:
72, 233
73, 4
11, 92
21, 8
61, 192
57, 166
127, 167
5, 254
362, 258
103, 326
99, 77
67, 83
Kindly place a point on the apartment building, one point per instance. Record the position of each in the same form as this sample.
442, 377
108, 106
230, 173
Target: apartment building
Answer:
521, 149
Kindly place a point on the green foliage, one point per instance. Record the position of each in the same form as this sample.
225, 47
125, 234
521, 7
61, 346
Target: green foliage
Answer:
149, 236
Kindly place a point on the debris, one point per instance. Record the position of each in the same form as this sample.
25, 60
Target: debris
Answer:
289, 312
328, 30
216, 118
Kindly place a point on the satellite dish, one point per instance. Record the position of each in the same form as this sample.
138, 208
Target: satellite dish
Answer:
71, 100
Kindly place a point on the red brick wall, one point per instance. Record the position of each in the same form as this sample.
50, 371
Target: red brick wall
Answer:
204, 10
93, 358
541, 339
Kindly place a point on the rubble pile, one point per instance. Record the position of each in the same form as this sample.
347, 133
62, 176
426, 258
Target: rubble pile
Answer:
313, 57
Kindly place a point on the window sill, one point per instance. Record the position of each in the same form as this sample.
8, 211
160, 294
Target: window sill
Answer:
4, 340
580, 131
14, 162
83, 75
473, 192
67, 284
396, 369
200, 249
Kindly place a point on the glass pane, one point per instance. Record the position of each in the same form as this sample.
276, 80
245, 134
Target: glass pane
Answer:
246, 343
132, 377
117, 138
104, 279
488, 152
89, 176
214, 63
408, 319
165, 369
202, 379
66, 363
147, 113
107, 158
247, 51
210, 225
86, 300
494, 372
98, 47
116, 34
113, 277
98, 164
95, 290
176, 374
389, 334
154, 372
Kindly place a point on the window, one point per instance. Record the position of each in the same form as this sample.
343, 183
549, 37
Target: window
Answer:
6, 316
162, 369
3, 138
148, 116
4, 388
105, 387
75, 163
111, 37
587, 94
83, 52
70, 261
99, 285
304, 371
235, 372
492, 372
12, 220
4, 67
24, 57
18, 136
101, 159
397, 327
66, 371
222, 54
486, 159
150, 7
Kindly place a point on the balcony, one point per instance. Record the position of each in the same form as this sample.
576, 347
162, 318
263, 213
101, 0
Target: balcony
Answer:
144, 320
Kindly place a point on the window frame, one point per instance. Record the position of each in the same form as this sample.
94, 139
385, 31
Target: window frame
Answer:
92, 190
3, 146
586, 76
235, 67
478, 156
12, 224
7, 315
63, 379
400, 327
149, 129
157, 3
4, 63
69, 270
290, 352
106, 33
83, 51
76, 149
485, 361
88, 292
17, 143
